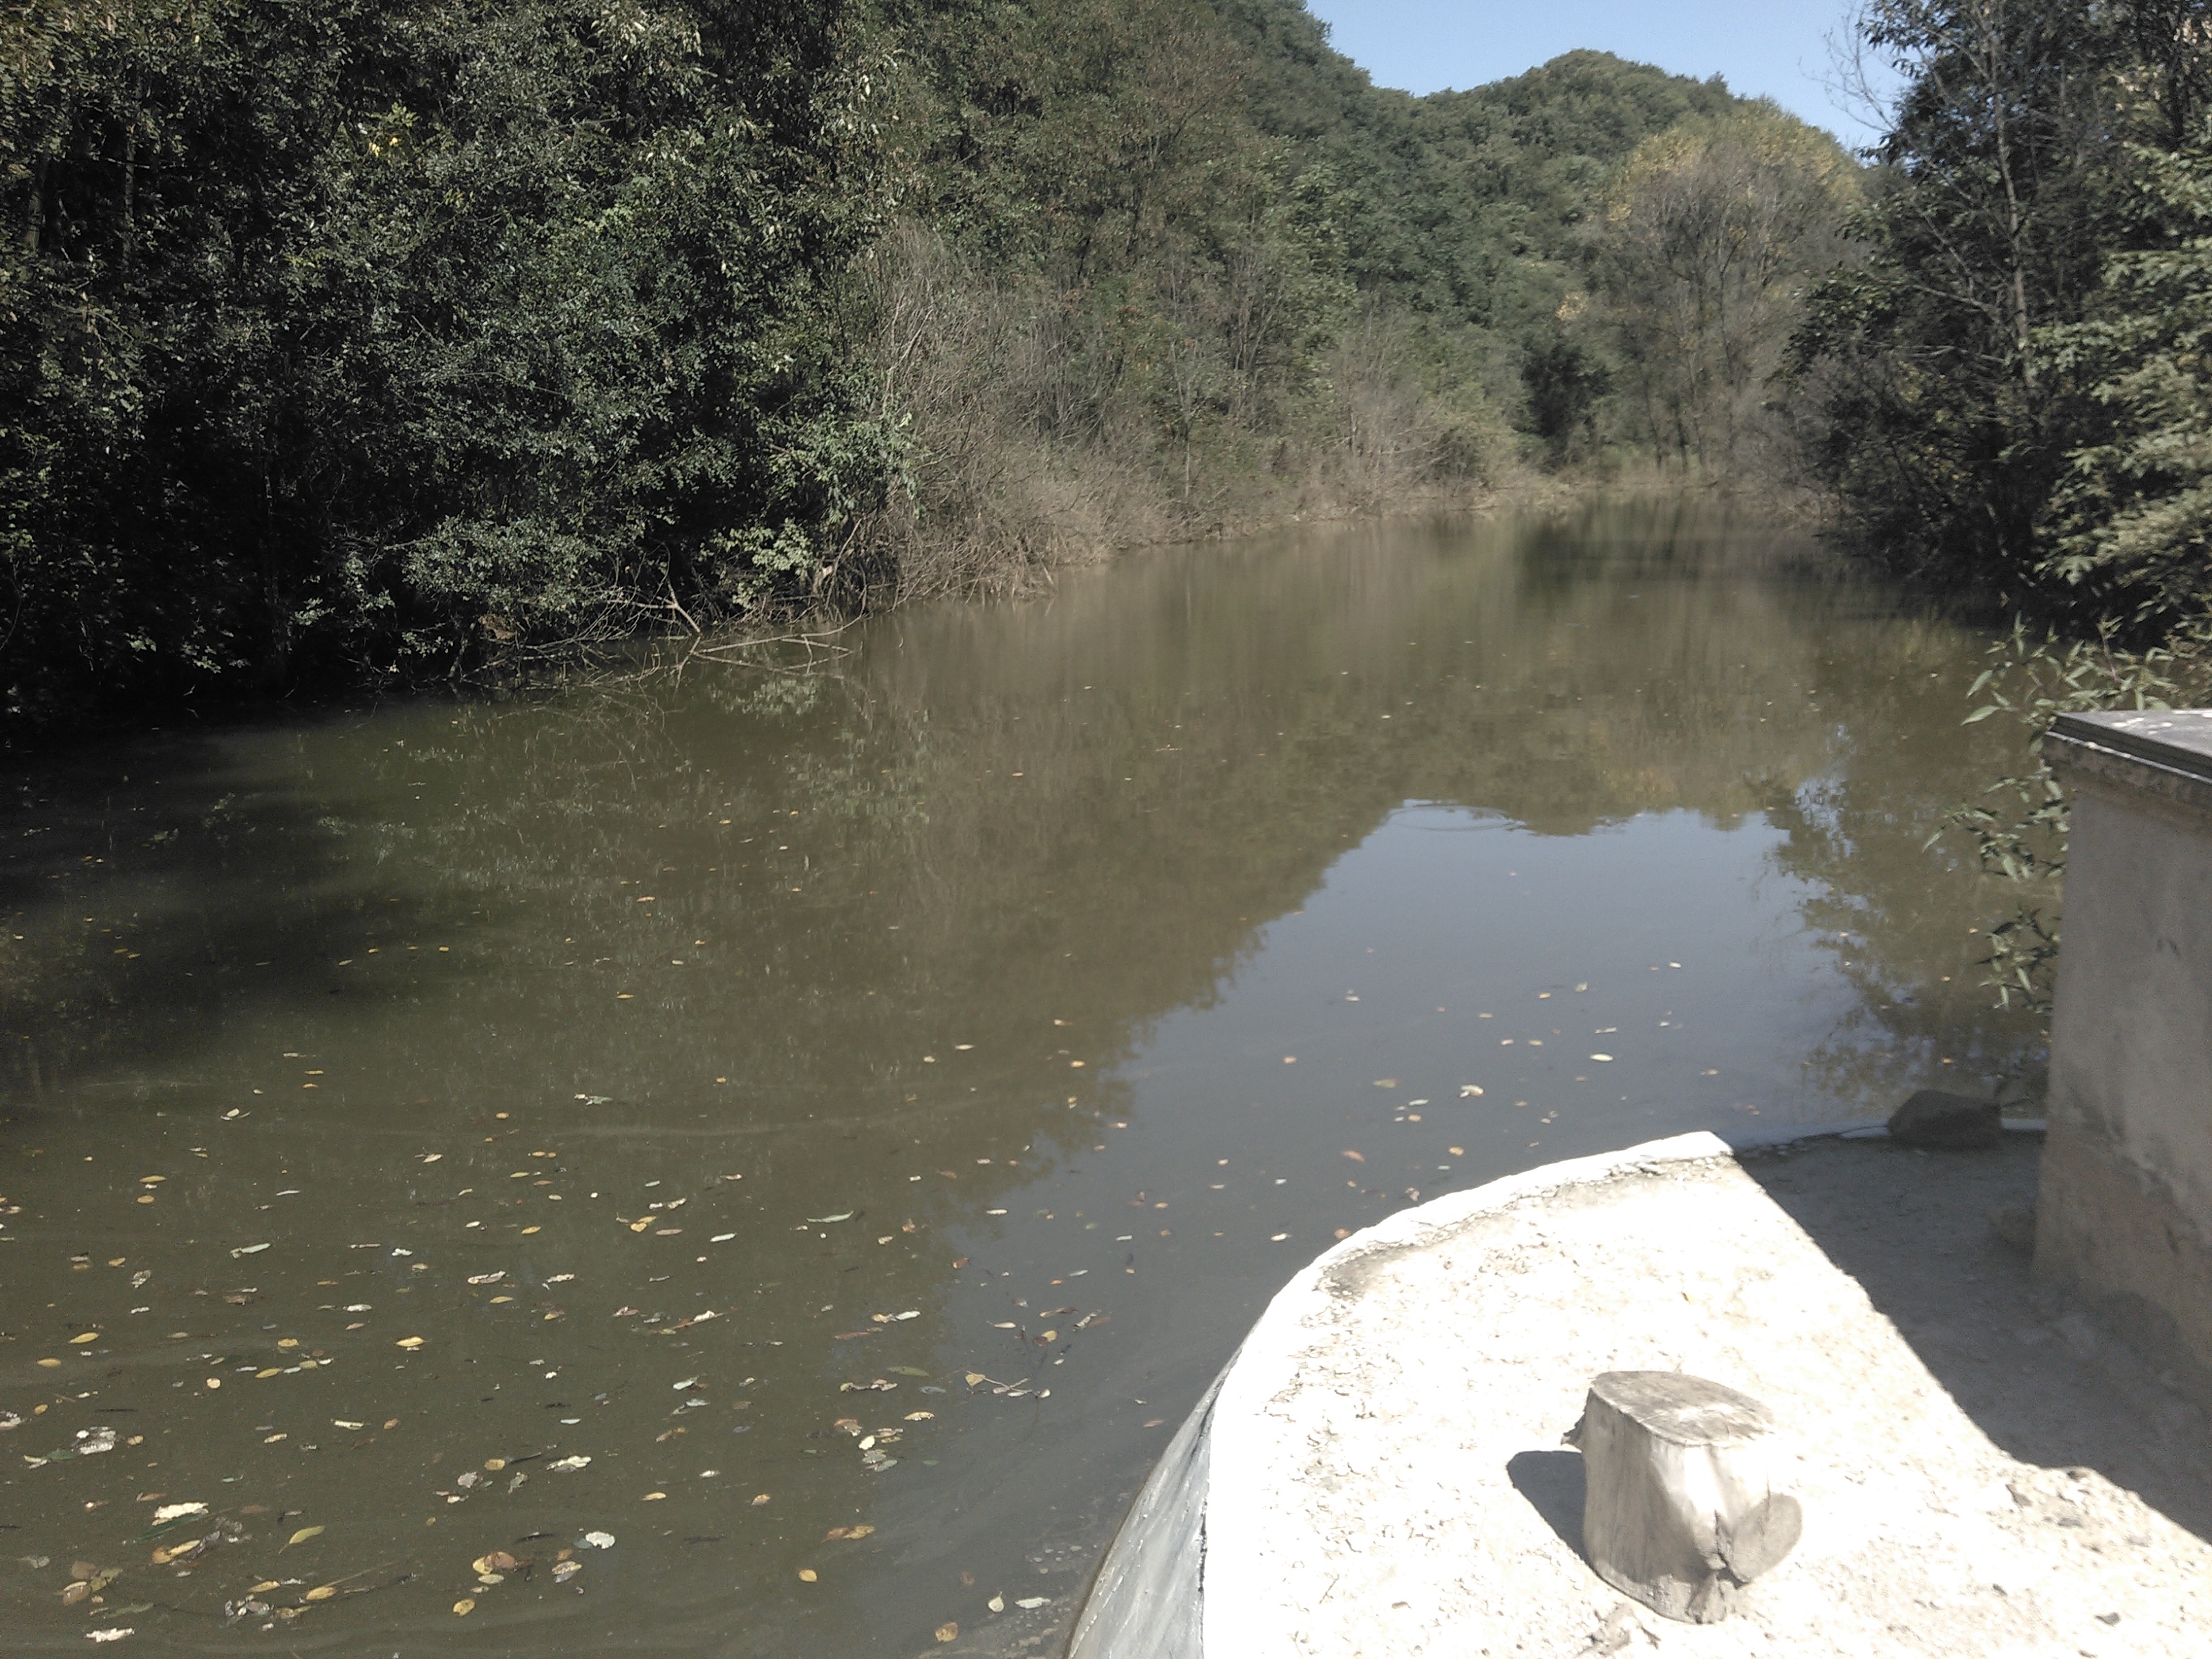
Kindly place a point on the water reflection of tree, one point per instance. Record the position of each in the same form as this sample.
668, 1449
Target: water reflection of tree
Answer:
1896, 917
1197, 735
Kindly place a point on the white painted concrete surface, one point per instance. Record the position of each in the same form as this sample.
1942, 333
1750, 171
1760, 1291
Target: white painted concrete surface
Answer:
1384, 1474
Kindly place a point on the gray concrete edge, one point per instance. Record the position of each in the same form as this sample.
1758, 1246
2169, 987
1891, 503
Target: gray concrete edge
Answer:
1150, 1597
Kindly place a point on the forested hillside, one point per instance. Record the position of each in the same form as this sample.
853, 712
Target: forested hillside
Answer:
351, 343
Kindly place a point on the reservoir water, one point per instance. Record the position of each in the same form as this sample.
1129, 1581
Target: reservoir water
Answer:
748, 1163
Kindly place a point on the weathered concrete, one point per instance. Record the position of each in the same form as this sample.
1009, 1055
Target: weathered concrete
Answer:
1384, 1474
2126, 1212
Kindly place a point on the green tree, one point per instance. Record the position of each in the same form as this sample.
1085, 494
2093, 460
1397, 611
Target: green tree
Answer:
1997, 202
1711, 231
346, 338
2130, 522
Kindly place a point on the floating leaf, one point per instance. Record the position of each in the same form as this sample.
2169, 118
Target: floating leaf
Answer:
303, 1535
109, 1635
249, 1250
1032, 1601
807, 1575
264, 1586
997, 1604
320, 1593
88, 1336
465, 1606
948, 1631
410, 1343
599, 1540
824, 1220
178, 1511
568, 1464
564, 1570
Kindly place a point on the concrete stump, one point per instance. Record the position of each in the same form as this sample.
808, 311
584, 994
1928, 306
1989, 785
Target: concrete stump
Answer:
1681, 1511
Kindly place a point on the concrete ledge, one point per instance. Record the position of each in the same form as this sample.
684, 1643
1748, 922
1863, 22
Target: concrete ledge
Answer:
1383, 1475
2163, 754
2125, 1218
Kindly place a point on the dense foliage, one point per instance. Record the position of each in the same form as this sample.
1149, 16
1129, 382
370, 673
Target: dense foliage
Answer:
2004, 384
348, 342
343, 338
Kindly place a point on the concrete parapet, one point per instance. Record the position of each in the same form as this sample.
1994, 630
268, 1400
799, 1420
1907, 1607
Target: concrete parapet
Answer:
1386, 1468
2124, 1214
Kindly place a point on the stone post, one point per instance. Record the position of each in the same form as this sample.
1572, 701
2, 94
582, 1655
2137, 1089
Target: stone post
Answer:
2124, 1215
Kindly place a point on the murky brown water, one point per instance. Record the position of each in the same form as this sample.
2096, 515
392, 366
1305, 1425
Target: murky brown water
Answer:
1010, 999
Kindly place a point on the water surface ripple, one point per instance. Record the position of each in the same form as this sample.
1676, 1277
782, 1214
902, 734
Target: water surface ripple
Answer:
820, 1131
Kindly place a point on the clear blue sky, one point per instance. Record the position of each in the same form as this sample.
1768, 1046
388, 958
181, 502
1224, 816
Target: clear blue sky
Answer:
1777, 47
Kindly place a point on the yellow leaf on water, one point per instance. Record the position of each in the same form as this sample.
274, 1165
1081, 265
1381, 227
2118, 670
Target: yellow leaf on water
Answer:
760, 1497
320, 1593
526, 1232
264, 1586
494, 1465
806, 1575
410, 1342
89, 1336
652, 1498
465, 1606
860, 1531
639, 1226
973, 1377
948, 1631
50, 1363
303, 1535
